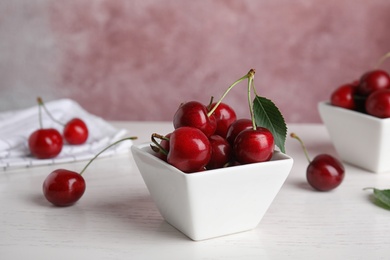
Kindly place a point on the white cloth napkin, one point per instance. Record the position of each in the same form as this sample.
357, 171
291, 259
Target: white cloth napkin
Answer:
16, 127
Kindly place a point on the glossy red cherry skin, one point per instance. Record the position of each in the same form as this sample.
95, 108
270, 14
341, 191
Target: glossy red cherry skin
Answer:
378, 103
252, 146
45, 143
225, 116
372, 81
76, 131
221, 152
194, 114
237, 127
325, 172
63, 187
343, 96
189, 149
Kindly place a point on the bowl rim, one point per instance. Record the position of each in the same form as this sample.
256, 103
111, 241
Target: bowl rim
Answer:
141, 147
353, 112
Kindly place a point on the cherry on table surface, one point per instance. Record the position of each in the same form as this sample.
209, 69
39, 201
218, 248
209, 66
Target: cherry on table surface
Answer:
195, 114
45, 143
189, 149
254, 145
324, 172
63, 187
76, 131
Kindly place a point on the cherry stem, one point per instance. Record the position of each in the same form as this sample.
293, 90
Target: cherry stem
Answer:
99, 153
161, 149
40, 116
210, 103
382, 59
293, 135
41, 103
227, 91
250, 85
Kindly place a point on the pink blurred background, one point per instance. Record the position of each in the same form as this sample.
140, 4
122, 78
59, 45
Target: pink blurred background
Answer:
138, 60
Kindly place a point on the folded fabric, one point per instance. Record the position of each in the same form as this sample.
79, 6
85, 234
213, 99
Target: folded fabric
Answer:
16, 127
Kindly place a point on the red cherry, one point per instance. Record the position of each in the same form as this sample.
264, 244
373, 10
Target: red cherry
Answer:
63, 187
76, 131
190, 149
225, 116
343, 96
378, 103
221, 152
251, 146
237, 127
194, 114
372, 81
324, 172
45, 143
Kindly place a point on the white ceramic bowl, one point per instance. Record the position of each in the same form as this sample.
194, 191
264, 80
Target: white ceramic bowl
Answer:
216, 202
359, 139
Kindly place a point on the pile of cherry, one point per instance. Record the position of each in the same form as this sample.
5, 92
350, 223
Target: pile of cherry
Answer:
45, 143
211, 137
370, 94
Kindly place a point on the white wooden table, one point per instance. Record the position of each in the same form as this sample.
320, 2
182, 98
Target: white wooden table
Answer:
116, 218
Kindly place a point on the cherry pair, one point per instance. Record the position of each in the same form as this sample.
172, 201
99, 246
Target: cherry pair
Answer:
46, 143
370, 94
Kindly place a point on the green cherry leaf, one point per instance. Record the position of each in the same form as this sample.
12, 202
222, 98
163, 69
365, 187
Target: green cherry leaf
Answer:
382, 195
267, 115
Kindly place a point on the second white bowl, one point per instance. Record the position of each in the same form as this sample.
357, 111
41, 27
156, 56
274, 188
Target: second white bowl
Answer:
359, 139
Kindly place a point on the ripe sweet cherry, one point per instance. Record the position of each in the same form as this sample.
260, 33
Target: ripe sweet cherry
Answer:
189, 149
225, 116
372, 81
254, 145
221, 152
45, 143
63, 187
195, 114
343, 96
76, 131
324, 172
378, 103
237, 127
